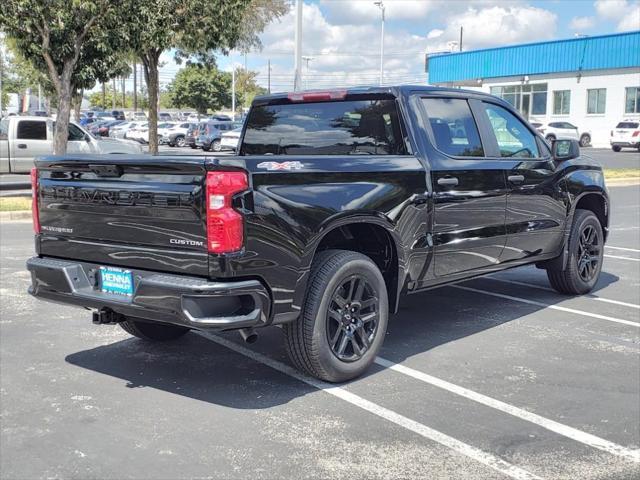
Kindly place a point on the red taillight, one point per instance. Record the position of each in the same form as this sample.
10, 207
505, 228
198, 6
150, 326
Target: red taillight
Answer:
317, 96
224, 224
34, 200
636, 133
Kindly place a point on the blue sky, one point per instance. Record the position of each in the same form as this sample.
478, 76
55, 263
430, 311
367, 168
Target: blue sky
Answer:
343, 36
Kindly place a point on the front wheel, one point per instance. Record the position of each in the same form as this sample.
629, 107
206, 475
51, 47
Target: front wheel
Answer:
151, 331
179, 141
216, 146
616, 148
585, 140
586, 250
343, 320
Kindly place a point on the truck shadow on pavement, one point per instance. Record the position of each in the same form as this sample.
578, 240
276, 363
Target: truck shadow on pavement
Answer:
198, 368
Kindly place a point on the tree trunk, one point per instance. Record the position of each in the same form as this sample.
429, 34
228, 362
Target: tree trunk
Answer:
77, 104
150, 61
61, 134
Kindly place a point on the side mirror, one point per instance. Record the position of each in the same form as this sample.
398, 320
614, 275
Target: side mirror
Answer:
565, 150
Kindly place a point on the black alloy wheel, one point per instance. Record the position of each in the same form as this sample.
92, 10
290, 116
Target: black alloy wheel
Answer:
588, 254
352, 318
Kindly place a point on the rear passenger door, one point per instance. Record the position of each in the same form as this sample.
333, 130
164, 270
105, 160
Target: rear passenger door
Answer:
33, 138
470, 194
537, 199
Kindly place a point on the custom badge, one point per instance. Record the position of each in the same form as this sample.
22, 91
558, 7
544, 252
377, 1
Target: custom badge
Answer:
281, 165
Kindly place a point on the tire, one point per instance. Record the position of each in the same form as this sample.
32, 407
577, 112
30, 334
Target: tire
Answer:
585, 140
579, 276
616, 148
216, 146
339, 276
151, 331
179, 141
206, 148
193, 146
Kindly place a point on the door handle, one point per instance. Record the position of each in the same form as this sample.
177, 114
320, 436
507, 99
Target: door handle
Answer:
448, 181
516, 178
22, 145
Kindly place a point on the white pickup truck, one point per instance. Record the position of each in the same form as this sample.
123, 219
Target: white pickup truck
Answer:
24, 138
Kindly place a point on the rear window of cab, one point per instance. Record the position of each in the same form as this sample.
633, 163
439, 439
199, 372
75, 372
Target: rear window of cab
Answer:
351, 127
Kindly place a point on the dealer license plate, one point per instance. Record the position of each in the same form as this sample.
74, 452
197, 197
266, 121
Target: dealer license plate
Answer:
116, 280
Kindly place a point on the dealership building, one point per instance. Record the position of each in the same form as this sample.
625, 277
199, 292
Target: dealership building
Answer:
590, 82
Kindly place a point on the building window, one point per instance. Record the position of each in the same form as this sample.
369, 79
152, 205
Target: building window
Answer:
561, 102
632, 100
529, 99
596, 100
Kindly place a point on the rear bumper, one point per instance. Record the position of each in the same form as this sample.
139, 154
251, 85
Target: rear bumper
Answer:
615, 143
193, 302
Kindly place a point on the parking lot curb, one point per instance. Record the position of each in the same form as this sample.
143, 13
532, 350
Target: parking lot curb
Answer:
17, 215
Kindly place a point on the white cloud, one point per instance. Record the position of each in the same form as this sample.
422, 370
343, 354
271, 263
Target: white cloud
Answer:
631, 20
494, 26
611, 9
582, 23
347, 53
625, 13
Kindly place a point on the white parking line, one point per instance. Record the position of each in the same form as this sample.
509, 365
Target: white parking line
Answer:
549, 289
382, 412
546, 305
552, 425
622, 258
625, 249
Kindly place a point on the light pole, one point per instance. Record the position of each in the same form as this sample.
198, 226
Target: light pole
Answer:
380, 5
307, 59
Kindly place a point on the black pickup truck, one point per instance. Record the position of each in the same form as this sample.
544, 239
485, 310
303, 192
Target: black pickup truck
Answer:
336, 203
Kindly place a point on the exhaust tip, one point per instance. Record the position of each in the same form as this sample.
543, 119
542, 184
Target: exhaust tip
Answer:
249, 335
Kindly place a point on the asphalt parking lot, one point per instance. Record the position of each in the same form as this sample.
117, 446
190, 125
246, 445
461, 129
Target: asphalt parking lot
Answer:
493, 378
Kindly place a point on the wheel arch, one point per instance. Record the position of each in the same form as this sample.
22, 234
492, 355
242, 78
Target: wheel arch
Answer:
372, 236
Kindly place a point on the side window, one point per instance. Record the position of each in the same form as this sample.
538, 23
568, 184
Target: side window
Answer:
75, 134
514, 138
4, 129
32, 130
454, 129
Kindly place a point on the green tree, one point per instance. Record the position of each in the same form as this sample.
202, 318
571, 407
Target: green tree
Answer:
74, 41
247, 86
201, 87
191, 27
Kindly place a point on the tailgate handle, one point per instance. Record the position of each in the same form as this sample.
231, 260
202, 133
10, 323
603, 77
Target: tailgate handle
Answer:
106, 170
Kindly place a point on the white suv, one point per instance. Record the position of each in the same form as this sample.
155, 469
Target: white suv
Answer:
563, 131
625, 135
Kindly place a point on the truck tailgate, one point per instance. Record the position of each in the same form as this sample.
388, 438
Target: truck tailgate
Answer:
134, 211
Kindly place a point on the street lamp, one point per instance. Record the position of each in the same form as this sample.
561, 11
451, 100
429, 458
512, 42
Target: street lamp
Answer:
380, 5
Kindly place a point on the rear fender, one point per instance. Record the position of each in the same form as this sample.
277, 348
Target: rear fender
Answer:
334, 223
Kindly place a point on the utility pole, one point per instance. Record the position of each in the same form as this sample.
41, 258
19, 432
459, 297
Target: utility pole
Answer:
460, 43
135, 87
233, 91
124, 94
39, 97
268, 77
307, 59
380, 5
297, 79
104, 96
